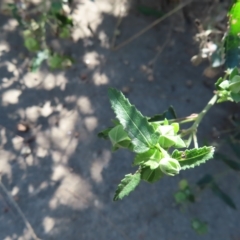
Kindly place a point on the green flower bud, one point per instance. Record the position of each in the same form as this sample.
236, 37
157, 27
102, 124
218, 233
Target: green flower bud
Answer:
170, 166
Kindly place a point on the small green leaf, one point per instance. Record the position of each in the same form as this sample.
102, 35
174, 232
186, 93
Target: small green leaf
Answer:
224, 84
193, 157
175, 127
64, 32
152, 164
127, 185
179, 143
57, 61
180, 197
199, 226
151, 154
31, 44
104, 133
233, 73
183, 184
135, 124
223, 196
168, 114
119, 137
166, 141
64, 20
232, 164
151, 176
234, 84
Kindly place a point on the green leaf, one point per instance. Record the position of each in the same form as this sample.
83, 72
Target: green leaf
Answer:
57, 61
232, 164
64, 20
233, 73
38, 60
127, 185
151, 154
180, 197
119, 137
223, 196
134, 123
104, 134
234, 84
193, 157
166, 141
31, 44
232, 40
175, 127
199, 226
150, 175
56, 7
235, 97
152, 164
183, 184
64, 32
168, 114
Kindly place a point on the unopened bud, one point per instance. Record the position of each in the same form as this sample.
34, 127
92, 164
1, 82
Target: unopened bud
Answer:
170, 166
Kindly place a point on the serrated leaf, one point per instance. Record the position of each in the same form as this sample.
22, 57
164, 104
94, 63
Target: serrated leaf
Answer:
135, 124
151, 154
223, 196
168, 114
151, 176
232, 164
127, 185
193, 157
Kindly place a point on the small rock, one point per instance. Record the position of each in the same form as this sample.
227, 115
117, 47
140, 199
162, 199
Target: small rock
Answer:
22, 127
126, 89
26, 150
150, 78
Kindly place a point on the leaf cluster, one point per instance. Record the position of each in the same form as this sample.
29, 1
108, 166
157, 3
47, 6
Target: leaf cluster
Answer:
155, 141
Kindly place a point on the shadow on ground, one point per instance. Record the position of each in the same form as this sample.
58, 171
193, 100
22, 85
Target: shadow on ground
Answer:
60, 174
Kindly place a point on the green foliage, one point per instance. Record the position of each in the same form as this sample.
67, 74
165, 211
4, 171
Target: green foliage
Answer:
151, 141
194, 157
137, 126
48, 21
199, 227
232, 40
127, 185
185, 194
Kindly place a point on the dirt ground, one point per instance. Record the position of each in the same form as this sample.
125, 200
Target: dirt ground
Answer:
60, 174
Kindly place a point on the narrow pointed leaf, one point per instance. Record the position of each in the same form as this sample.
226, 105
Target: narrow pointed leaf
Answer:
223, 196
193, 157
168, 114
127, 185
134, 123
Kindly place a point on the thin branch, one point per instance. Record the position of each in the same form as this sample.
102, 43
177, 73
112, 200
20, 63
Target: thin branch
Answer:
176, 9
28, 225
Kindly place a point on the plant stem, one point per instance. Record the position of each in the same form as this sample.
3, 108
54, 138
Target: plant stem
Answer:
203, 112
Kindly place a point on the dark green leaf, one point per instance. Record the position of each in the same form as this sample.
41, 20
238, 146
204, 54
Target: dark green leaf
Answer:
134, 123
104, 134
232, 164
223, 196
64, 20
127, 185
150, 175
168, 114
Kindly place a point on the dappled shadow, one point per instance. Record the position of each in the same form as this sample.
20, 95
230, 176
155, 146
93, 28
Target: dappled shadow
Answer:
59, 173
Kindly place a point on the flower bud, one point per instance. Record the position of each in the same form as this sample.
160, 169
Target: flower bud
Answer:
170, 166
